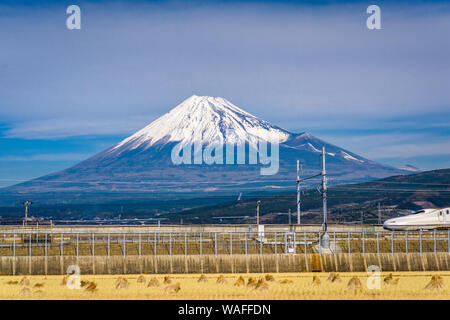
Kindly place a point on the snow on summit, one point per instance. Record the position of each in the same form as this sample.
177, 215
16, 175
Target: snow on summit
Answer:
207, 120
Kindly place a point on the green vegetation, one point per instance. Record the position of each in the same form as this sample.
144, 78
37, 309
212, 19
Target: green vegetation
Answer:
397, 195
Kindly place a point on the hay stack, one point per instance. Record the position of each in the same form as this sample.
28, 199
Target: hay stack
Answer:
173, 288
141, 279
262, 285
436, 283
286, 281
91, 287
269, 277
354, 285
38, 285
24, 281
121, 283
12, 282
167, 280
221, 280
153, 283
334, 277
84, 283
239, 282
202, 278
316, 281
251, 282
389, 280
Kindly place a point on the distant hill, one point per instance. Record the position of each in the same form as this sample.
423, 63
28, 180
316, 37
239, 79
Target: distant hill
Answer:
397, 195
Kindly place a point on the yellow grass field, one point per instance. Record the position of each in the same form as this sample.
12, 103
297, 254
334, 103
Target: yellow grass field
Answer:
410, 285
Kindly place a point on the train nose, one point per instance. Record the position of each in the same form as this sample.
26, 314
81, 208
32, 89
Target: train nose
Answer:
388, 224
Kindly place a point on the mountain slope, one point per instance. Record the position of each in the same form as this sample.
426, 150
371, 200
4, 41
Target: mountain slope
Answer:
144, 163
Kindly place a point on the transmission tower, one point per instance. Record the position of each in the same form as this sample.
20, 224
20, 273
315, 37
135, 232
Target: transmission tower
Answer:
298, 191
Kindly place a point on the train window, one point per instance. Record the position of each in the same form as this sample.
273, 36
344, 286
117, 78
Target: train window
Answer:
440, 213
448, 212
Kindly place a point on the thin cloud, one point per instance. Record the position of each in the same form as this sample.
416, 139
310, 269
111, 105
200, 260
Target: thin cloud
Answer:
65, 127
46, 157
394, 145
410, 150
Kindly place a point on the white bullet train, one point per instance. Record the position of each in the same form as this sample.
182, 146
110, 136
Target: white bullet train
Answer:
421, 220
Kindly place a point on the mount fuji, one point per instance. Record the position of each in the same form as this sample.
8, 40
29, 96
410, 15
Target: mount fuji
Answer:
143, 163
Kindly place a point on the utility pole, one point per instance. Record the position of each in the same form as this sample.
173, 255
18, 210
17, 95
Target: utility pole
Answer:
26, 204
299, 167
289, 215
324, 191
379, 213
298, 191
257, 213
325, 238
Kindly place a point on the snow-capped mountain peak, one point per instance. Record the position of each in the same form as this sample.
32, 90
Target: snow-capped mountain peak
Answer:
144, 162
207, 120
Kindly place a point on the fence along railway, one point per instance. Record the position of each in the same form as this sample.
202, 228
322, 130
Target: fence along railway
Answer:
219, 241
50, 249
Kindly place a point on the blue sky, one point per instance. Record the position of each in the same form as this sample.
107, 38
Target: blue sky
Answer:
66, 95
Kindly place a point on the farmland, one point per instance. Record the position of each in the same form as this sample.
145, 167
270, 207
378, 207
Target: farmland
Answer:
286, 286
